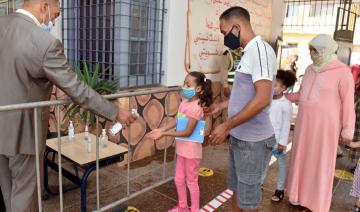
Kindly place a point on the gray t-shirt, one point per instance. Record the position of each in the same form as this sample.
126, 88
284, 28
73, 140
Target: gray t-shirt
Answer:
257, 63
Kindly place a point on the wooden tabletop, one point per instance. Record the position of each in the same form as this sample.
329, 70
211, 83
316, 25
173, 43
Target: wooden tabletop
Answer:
76, 150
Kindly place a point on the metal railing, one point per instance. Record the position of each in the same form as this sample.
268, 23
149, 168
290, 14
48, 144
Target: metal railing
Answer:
57, 103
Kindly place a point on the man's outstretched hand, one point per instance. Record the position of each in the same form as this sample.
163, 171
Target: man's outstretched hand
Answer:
125, 117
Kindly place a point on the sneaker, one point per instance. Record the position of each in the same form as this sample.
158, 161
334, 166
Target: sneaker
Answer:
178, 209
278, 196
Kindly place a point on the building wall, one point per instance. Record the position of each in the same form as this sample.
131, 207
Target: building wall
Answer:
308, 27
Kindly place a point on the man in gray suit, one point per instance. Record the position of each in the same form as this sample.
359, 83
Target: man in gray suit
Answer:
32, 61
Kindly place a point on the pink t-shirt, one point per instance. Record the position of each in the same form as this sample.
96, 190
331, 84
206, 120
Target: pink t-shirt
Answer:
189, 149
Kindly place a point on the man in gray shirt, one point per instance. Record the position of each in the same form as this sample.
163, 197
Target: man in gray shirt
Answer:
251, 133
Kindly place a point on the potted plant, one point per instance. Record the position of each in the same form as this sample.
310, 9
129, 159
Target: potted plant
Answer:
101, 86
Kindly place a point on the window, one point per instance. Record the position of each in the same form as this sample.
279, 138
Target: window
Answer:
292, 10
88, 30
316, 13
123, 36
321, 9
9, 6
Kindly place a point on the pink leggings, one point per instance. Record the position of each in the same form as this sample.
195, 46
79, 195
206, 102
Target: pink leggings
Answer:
187, 170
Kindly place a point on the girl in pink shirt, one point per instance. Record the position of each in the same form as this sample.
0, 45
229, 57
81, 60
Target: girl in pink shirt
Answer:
196, 95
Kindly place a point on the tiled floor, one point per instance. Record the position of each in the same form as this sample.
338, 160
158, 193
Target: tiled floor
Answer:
113, 186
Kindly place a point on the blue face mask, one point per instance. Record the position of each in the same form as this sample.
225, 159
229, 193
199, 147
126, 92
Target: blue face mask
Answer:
47, 27
188, 93
231, 41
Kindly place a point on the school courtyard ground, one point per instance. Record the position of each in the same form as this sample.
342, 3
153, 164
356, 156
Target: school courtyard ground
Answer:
113, 186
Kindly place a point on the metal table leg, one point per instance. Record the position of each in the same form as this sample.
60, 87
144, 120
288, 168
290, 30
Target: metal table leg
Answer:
46, 174
83, 186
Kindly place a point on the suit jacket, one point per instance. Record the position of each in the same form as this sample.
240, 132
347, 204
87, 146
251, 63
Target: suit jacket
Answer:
31, 62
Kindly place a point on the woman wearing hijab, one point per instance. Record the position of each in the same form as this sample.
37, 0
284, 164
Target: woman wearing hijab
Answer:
326, 113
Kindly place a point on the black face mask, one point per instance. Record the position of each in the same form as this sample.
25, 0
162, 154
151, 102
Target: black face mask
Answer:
231, 41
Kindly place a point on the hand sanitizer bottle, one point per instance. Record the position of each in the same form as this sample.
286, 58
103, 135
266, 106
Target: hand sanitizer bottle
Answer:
71, 131
116, 128
87, 139
104, 139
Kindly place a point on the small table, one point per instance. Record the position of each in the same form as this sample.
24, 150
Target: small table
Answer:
76, 153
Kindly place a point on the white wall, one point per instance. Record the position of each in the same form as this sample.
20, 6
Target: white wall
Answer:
174, 42
355, 56
278, 16
57, 29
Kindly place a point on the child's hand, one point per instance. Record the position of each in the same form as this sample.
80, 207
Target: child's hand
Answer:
346, 142
280, 148
353, 144
156, 134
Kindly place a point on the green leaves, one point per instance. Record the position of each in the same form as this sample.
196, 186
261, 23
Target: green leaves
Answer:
102, 86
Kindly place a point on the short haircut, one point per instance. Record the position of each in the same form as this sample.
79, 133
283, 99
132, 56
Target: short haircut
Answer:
287, 78
238, 12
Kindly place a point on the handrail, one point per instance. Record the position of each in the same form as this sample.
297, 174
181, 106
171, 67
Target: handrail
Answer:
32, 105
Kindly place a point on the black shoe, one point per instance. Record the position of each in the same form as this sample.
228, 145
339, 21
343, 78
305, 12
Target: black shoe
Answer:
355, 209
340, 155
278, 196
353, 170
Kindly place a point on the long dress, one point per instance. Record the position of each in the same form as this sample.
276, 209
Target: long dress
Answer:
354, 153
326, 112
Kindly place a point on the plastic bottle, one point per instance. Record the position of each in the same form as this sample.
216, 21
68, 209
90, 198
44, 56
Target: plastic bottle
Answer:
117, 127
104, 139
87, 139
71, 131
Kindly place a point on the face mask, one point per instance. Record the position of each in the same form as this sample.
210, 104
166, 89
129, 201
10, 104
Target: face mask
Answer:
188, 93
47, 27
276, 92
316, 58
231, 41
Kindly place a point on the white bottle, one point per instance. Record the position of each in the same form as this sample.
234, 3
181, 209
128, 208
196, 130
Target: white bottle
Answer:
116, 128
71, 131
104, 139
87, 139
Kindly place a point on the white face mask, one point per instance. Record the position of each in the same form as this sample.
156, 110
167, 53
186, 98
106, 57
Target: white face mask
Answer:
325, 47
320, 62
47, 27
316, 58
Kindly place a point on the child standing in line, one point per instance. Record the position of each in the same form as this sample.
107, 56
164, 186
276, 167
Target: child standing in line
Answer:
280, 116
196, 95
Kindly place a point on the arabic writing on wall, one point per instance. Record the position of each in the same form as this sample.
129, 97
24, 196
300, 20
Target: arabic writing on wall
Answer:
206, 41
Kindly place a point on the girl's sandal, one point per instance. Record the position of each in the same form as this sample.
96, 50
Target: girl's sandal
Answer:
278, 196
355, 209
